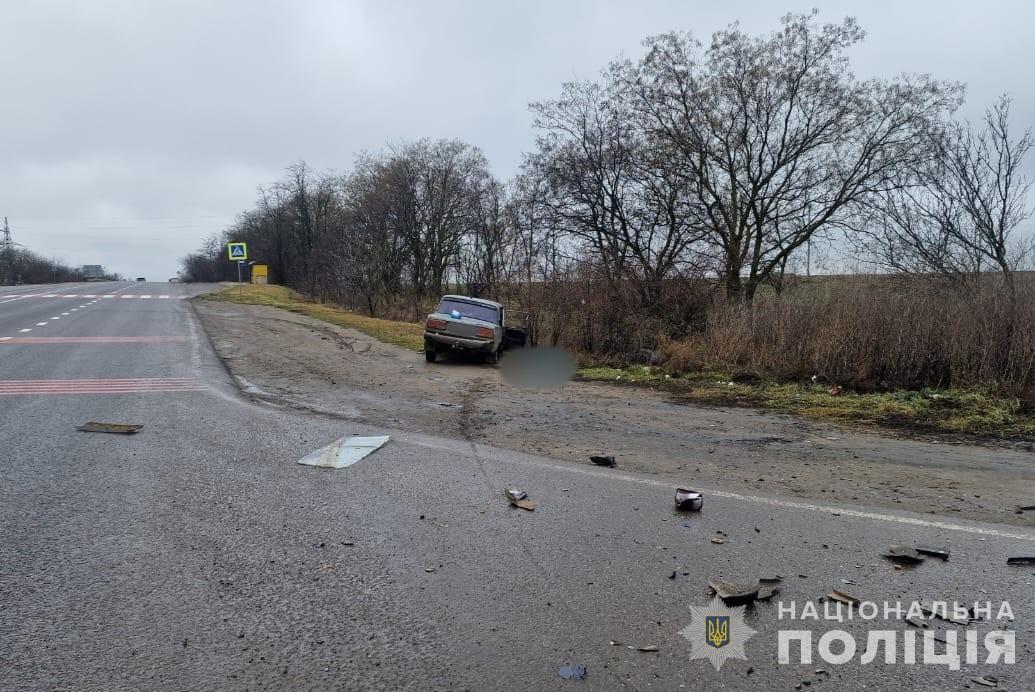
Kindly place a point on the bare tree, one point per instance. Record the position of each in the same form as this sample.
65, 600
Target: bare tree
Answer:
775, 135
959, 211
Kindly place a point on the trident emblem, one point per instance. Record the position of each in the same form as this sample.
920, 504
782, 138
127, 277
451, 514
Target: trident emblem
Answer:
718, 630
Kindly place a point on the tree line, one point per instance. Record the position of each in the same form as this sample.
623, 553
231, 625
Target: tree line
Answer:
20, 265
701, 173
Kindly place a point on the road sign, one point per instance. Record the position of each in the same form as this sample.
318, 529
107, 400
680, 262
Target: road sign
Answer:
237, 251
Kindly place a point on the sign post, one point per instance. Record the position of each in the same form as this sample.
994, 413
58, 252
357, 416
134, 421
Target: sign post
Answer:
237, 252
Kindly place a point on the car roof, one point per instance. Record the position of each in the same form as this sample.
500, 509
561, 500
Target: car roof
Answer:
474, 301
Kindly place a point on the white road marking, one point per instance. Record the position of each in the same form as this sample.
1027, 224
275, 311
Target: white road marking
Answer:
22, 331
6, 338
147, 296
55, 318
791, 504
41, 324
65, 314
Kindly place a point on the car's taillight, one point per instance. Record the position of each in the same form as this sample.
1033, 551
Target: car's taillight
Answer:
436, 324
484, 332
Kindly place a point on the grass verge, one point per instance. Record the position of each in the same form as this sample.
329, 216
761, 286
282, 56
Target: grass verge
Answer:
948, 411
405, 334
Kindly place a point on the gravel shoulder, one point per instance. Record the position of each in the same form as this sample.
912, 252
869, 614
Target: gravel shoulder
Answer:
303, 363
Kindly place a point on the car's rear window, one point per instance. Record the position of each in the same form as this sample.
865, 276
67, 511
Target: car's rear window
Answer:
478, 312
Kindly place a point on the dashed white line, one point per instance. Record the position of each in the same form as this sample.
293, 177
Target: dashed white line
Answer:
22, 331
65, 314
6, 338
55, 318
41, 324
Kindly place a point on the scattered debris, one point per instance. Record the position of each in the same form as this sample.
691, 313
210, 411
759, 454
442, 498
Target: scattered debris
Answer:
767, 591
987, 681
917, 622
573, 672
649, 649
608, 461
519, 498
734, 594
1020, 560
718, 540
347, 543
673, 575
940, 553
612, 642
429, 569
116, 428
903, 554
775, 579
848, 582
689, 500
836, 390
931, 613
842, 597
1026, 508
344, 452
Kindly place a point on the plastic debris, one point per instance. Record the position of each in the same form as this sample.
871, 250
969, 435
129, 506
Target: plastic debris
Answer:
842, 597
1020, 560
116, 428
1026, 508
734, 594
344, 452
903, 554
689, 500
573, 672
519, 498
608, 461
940, 553
650, 649
718, 540
987, 681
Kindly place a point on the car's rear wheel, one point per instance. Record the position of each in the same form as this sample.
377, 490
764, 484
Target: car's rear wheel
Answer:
492, 358
430, 356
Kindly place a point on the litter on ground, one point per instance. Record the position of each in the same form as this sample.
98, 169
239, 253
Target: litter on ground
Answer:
689, 500
116, 428
344, 452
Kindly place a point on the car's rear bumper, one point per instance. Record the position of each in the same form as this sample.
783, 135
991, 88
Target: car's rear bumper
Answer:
446, 342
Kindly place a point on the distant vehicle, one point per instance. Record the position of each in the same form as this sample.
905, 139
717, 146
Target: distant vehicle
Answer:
460, 323
96, 278
174, 280
141, 278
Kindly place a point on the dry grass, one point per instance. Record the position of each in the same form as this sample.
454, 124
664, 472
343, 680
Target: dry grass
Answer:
950, 411
406, 334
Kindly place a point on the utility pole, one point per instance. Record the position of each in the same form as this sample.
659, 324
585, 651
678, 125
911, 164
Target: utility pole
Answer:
7, 250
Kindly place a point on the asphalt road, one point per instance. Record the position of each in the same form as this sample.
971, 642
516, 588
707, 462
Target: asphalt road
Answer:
198, 555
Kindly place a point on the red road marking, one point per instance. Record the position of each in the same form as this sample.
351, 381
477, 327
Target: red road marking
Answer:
94, 340
114, 386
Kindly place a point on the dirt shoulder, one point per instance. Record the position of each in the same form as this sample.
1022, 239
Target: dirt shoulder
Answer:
303, 362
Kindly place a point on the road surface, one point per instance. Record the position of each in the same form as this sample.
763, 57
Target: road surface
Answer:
198, 555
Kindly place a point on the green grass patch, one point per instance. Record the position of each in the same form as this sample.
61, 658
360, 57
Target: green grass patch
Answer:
949, 411
406, 334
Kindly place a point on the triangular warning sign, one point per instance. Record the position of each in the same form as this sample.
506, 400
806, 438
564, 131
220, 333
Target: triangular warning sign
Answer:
236, 251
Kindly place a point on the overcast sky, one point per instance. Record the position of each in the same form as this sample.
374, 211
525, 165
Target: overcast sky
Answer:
130, 131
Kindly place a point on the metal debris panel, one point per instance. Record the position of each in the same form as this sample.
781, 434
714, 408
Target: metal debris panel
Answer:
344, 452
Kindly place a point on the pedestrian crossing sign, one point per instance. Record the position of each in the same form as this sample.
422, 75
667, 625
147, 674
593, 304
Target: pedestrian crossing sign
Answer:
237, 251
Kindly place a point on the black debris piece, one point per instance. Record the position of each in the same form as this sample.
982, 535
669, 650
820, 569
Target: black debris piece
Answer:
689, 500
1020, 560
940, 553
608, 461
